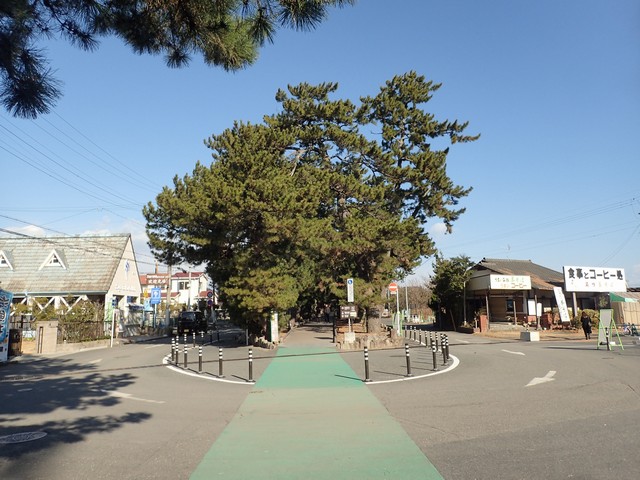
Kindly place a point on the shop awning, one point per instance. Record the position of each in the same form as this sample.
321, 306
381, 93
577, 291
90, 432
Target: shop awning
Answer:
622, 297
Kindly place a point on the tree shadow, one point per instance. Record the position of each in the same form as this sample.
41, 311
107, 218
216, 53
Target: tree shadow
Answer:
45, 385
65, 432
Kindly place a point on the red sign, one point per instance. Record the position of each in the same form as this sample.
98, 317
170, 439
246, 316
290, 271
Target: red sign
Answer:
393, 288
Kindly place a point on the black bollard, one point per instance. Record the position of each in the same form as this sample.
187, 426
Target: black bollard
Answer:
251, 365
201, 337
436, 339
434, 349
185, 355
220, 363
444, 350
430, 339
447, 346
173, 347
406, 351
366, 365
606, 336
193, 337
185, 340
200, 359
415, 332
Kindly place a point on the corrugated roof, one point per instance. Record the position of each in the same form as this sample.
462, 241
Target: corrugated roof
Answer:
542, 278
90, 264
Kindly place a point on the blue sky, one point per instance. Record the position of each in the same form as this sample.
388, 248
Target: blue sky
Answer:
552, 86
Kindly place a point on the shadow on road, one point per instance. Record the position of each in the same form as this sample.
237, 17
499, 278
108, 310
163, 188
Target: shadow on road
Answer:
46, 385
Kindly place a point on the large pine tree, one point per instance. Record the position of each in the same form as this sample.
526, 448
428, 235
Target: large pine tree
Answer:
290, 208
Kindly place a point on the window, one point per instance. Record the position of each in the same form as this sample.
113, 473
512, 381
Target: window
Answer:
183, 285
53, 260
4, 261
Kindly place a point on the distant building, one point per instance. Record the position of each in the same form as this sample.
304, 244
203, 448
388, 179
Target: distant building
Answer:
191, 290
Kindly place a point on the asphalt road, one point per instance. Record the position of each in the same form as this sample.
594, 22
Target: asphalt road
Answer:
509, 410
515, 410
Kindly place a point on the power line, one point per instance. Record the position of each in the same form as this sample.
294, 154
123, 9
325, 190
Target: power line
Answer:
70, 171
126, 166
64, 234
54, 241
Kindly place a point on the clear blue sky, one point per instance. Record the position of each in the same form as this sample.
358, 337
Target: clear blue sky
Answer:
552, 86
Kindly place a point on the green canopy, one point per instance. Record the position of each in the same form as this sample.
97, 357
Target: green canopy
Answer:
619, 297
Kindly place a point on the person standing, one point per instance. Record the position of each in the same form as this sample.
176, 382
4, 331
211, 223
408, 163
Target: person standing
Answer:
586, 325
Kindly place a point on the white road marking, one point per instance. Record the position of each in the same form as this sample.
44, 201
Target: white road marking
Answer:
538, 380
514, 353
128, 396
97, 360
155, 346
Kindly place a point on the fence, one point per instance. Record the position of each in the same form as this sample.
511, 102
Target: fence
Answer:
75, 332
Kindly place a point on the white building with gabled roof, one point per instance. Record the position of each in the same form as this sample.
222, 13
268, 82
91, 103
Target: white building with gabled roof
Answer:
61, 271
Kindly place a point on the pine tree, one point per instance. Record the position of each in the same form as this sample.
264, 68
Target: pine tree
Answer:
290, 208
226, 33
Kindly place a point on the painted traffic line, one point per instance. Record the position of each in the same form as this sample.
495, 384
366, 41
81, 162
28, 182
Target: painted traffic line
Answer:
513, 353
310, 417
538, 380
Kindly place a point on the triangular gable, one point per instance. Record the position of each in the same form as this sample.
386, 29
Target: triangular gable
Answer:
5, 262
54, 260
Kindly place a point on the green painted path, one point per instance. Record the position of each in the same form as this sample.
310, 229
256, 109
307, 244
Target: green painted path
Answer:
310, 417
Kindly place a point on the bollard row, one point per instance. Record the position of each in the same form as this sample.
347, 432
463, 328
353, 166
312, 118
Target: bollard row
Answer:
175, 354
437, 344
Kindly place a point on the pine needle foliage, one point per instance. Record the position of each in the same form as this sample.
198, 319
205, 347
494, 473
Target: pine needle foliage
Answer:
225, 33
290, 208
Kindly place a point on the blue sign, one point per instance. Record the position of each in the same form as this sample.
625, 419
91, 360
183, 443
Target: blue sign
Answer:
156, 296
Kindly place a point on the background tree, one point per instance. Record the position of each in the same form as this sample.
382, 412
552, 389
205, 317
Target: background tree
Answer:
291, 208
227, 33
447, 288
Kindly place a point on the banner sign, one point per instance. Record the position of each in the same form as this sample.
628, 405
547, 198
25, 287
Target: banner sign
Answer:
594, 279
562, 305
5, 311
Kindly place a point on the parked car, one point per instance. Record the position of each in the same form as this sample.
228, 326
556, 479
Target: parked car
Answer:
189, 322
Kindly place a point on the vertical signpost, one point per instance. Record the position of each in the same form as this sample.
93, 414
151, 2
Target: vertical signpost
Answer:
156, 296
393, 290
114, 304
350, 297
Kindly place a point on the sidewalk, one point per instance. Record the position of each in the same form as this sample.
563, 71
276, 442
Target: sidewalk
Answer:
310, 416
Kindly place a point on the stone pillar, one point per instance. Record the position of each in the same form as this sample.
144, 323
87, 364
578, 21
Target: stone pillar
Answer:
46, 336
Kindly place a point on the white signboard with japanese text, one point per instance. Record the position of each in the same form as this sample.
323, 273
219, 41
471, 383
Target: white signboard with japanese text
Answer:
510, 282
594, 279
562, 305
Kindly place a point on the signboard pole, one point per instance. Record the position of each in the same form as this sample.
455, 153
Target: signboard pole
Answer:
399, 330
113, 325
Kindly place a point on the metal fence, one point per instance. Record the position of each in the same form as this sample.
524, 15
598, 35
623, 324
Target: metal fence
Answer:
74, 332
